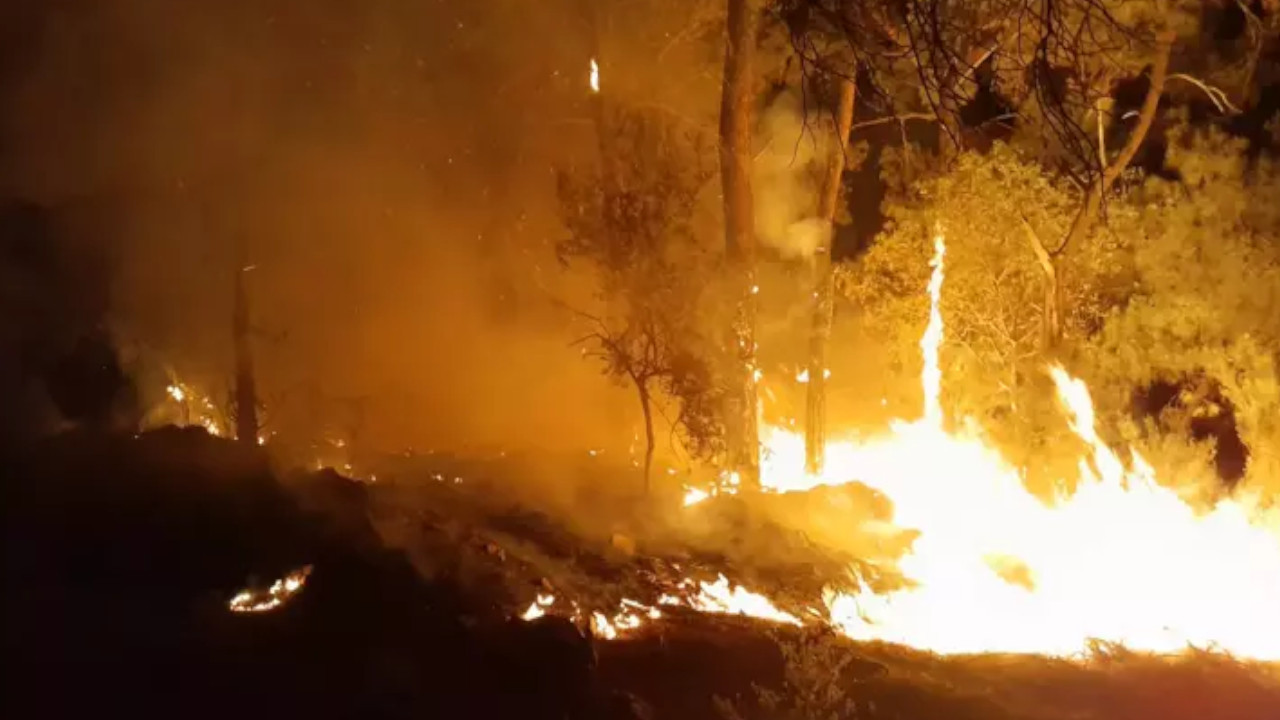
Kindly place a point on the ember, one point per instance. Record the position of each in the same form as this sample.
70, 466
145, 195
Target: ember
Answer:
194, 409
538, 607
719, 597
280, 592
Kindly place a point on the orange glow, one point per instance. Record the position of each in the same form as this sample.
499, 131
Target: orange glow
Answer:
719, 597
280, 592
996, 569
538, 607
197, 409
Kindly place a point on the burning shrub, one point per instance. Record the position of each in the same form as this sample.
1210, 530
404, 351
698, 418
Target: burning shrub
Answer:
1205, 295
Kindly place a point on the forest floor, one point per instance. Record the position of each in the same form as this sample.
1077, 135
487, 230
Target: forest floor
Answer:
122, 552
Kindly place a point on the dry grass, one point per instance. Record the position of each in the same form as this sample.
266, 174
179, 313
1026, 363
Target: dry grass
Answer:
826, 677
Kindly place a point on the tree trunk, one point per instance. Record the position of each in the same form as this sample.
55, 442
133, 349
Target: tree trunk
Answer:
246, 393
1085, 218
646, 406
820, 325
737, 100
1051, 327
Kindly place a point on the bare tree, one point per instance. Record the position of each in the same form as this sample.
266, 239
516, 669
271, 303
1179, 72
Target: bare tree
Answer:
651, 353
634, 231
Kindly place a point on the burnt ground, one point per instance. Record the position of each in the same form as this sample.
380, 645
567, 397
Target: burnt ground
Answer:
121, 552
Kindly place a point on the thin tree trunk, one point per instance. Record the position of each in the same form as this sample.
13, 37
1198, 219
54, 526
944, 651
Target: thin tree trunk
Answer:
1085, 218
649, 442
820, 325
737, 100
246, 393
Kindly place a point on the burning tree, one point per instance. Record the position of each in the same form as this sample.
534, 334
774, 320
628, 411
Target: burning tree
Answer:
631, 224
1202, 267
994, 293
1172, 291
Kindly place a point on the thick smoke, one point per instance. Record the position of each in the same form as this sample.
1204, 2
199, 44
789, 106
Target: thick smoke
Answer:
383, 166
788, 180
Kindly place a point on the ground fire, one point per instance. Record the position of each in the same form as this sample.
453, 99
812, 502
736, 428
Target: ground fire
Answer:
277, 594
1108, 563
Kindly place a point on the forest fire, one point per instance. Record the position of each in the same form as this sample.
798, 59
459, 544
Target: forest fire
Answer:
996, 569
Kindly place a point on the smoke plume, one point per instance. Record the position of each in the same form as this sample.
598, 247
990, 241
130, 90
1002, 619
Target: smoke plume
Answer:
788, 178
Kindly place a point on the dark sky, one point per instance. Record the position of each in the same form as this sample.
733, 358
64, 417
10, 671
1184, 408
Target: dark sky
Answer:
387, 164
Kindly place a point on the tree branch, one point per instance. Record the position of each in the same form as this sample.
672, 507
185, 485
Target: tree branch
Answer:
1216, 95
931, 117
1037, 246
1088, 212
1147, 114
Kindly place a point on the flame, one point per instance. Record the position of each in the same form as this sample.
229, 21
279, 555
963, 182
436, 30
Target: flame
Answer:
595, 76
719, 597
693, 496
197, 409
932, 339
254, 601
627, 618
727, 484
601, 626
996, 569
802, 377
538, 607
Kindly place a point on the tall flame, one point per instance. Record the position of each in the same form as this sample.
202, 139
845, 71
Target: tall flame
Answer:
595, 76
1123, 560
932, 339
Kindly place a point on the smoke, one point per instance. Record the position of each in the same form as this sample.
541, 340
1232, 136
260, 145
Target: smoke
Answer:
383, 166
788, 179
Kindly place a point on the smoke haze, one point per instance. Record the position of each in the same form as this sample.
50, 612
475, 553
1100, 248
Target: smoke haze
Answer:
385, 169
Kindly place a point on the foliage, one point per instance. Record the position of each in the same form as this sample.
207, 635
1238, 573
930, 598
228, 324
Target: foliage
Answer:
630, 223
993, 292
1181, 286
1206, 293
